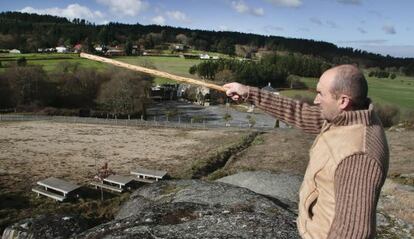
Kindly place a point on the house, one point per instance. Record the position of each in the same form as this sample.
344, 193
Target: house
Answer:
164, 92
77, 48
99, 48
115, 51
46, 50
14, 51
271, 89
61, 49
178, 47
204, 56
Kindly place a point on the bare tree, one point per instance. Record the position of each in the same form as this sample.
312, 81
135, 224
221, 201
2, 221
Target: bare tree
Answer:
125, 93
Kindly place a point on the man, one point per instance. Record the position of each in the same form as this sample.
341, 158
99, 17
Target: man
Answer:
348, 160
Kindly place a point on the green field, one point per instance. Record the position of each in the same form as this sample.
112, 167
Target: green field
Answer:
398, 92
173, 65
50, 61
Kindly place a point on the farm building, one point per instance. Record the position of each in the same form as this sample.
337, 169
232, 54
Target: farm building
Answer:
61, 49
14, 51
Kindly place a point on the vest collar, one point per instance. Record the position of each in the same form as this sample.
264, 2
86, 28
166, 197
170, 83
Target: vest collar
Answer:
353, 117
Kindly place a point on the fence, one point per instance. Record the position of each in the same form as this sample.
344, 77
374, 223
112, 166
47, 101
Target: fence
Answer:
134, 122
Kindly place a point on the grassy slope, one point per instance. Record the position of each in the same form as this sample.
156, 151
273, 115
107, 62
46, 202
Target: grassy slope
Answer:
50, 61
173, 65
399, 92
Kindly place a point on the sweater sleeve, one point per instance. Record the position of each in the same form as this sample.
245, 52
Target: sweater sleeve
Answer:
296, 113
358, 181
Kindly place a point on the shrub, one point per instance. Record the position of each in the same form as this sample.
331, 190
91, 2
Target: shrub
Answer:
393, 76
388, 114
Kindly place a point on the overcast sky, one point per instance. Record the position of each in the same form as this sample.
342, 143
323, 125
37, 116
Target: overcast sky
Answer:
380, 26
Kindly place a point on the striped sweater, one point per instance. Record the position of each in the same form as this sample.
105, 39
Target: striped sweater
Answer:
358, 179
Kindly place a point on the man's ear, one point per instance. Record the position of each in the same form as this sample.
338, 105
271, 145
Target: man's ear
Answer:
345, 102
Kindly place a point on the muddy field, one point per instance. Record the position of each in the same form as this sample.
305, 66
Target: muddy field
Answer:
31, 151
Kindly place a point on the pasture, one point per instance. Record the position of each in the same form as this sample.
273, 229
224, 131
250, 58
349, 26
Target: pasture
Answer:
50, 61
398, 92
173, 65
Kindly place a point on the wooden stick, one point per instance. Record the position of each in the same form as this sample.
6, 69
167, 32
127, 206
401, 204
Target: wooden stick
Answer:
153, 72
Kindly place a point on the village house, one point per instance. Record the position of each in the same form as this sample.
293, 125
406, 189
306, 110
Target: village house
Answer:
164, 92
77, 48
14, 51
115, 51
204, 56
61, 49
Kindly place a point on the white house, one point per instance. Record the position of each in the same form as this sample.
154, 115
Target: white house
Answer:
271, 89
204, 56
14, 51
178, 47
61, 49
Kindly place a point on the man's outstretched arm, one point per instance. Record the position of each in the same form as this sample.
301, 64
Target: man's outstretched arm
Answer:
358, 181
296, 113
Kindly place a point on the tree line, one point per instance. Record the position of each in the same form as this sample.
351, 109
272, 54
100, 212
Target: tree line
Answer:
30, 88
271, 68
28, 32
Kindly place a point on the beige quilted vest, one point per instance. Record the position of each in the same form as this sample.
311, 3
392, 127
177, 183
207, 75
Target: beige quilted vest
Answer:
317, 194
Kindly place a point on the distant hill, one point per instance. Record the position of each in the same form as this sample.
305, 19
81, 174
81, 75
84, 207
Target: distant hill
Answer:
28, 32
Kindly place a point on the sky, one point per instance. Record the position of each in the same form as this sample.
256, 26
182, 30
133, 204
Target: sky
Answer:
379, 26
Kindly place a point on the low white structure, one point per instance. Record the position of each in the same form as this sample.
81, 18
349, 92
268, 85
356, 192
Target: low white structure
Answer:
204, 56
14, 51
61, 49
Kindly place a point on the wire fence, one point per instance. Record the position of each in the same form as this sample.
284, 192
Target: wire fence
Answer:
137, 122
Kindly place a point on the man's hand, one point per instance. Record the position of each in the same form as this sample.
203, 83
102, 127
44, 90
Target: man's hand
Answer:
236, 91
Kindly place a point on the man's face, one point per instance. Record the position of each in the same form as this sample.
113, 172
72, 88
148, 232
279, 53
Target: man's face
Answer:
325, 99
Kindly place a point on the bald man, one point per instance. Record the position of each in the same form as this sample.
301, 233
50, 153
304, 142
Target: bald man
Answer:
349, 157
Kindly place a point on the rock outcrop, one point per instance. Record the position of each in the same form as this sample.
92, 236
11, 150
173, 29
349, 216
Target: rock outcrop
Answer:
283, 186
176, 209
197, 209
46, 227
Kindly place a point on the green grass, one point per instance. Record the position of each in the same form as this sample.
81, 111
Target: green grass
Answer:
49, 62
398, 92
173, 65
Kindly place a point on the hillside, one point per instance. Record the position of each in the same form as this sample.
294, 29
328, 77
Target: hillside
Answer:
29, 32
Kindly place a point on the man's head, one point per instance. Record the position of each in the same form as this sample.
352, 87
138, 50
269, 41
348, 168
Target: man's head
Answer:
341, 88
